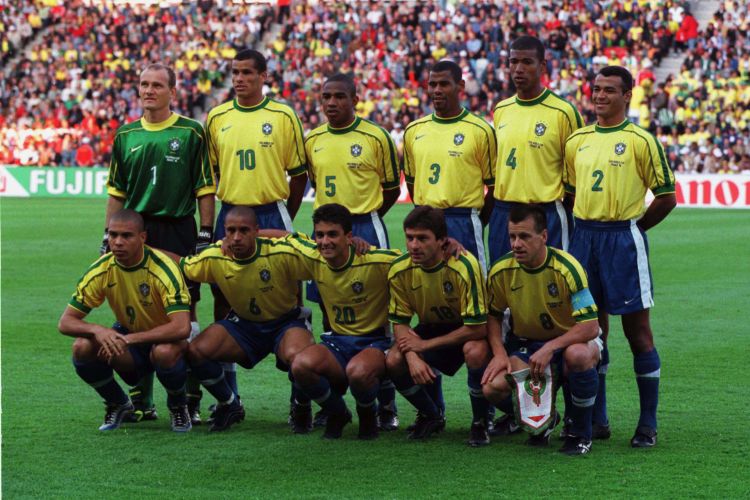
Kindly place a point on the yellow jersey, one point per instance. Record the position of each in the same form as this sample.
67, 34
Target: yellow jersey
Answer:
531, 137
141, 297
450, 292
544, 302
349, 166
262, 287
609, 170
449, 160
253, 149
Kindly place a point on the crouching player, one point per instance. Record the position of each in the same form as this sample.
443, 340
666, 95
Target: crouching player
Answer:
150, 301
554, 321
448, 297
259, 280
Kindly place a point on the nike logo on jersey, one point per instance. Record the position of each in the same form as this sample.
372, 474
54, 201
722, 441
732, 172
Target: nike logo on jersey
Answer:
514, 288
110, 285
502, 126
135, 148
224, 129
317, 150
416, 287
419, 137
582, 148
229, 276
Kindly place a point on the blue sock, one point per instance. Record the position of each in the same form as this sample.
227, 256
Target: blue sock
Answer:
567, 399
506, 406
365, 398
101, 377
435, 390
297, 396
173, 379
479, 405
327, 398
230, 374
647, 368
417, 395
583, 388
600, 406
212, 376
387, 394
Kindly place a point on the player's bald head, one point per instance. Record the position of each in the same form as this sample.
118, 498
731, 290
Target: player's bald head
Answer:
246, 214
128, 216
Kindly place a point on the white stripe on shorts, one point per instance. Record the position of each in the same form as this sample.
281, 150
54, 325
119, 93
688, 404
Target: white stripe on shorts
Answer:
379, 229
642, 259
285, 215
479, 241
564, 229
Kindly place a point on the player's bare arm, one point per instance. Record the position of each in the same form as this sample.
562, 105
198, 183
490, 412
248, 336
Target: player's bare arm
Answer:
297, 186
176, 329
657, 211
390, 196
500, 363
581, 333
459, 336
72, 324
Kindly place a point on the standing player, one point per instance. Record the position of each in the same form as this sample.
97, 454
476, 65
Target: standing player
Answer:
159, 168
254, 144
553, 322
353, 162
531, 129
448, 297
260, 282
149, 299
449, 157
355, 294
610, 166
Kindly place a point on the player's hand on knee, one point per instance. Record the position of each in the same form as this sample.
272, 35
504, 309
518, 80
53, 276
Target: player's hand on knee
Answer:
539, 362
498, 366
111, 343
205, 238
420, 371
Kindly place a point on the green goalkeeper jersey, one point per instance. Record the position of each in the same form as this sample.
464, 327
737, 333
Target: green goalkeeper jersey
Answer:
159, 169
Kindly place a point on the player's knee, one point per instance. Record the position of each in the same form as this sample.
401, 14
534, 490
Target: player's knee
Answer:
579, 357
641, 340
476, 353
394, 362
167, 355
360, 374
302, 366
496, 389
84, 349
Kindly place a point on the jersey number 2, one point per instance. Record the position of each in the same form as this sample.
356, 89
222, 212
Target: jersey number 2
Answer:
599, 175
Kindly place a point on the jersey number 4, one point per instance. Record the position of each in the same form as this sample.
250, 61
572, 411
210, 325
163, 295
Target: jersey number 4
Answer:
511, 161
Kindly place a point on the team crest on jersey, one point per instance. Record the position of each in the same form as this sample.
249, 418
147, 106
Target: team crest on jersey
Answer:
358, 287
447, 286
539, 129
174, 145
356, 150
620, 148
267, 128
144, 289
458, 139
265, 275
552, 289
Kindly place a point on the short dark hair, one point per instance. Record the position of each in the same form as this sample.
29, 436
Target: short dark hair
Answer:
449, 66
427, 217
333, 213
523, 211
171, 76
527, 42
243, 211
624, 74
260, 60
347, 80
128, 215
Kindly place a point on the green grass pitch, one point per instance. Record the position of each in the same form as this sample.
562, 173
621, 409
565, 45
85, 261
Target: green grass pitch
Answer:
51, 446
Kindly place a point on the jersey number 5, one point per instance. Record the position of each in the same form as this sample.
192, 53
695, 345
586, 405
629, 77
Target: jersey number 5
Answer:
247, 159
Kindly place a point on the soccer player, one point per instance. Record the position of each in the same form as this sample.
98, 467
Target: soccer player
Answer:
610, 165
554, 321
449, 157
531, 129
254, 144
355, 294
149, 299
448, 298
159, 168
260, 282
353, 162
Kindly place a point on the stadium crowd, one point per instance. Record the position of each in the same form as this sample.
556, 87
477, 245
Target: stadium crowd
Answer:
62, 103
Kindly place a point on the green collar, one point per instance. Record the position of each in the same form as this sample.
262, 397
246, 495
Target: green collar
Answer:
455, 119
248, 260
250, 109
541, 268
536, 100
346, 129
347, 264
609, 130
141, 263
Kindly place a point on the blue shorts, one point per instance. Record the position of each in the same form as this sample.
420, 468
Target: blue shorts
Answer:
259, 339
523, 349
559, 227
465, 227
447, 359
615, 257
345, 347
270, 216
141, 354
370, 228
